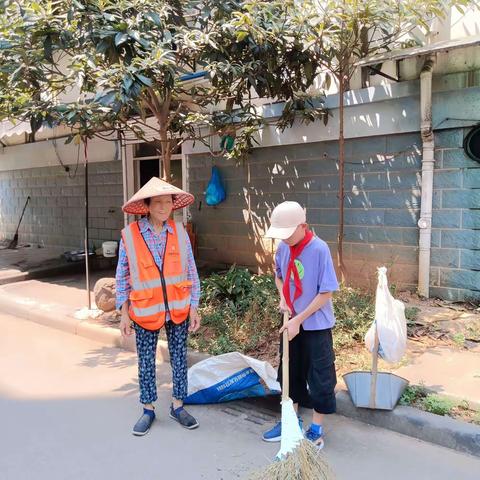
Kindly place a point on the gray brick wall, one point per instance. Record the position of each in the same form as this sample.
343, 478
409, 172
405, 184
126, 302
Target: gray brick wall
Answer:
381, 206
55, 214
456, 219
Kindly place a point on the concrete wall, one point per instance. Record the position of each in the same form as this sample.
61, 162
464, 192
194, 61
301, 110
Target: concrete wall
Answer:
383, 184
382, 201
383, 187
55, 214
382, 207
455, 272
381, 110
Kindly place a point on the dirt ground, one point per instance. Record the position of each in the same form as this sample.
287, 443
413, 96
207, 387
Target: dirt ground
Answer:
437, 323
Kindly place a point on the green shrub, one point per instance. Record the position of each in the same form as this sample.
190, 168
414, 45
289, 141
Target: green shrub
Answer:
354, 313
229, 287
473, 331
438, 405
413, 394
459, 339
411, 313
476, 419
239, 312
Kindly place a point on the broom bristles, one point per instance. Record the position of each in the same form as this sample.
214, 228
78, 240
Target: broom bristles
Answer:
304, 463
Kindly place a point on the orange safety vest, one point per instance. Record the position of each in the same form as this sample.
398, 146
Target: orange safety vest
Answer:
147, 299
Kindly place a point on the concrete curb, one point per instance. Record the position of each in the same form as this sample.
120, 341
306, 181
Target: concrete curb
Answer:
43, 272
61, 319
444, 431
61, 268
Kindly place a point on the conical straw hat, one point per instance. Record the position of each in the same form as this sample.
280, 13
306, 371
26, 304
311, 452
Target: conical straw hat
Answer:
154, 187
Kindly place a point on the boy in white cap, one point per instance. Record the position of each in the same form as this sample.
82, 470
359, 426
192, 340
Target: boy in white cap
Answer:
158, 285
305, 279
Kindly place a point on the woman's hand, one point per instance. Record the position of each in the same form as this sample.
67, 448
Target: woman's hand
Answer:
194, 320
125, 322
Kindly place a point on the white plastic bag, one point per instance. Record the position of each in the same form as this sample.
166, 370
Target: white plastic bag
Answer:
230, 376
390, 322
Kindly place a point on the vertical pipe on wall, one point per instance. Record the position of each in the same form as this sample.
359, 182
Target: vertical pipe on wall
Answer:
428, 160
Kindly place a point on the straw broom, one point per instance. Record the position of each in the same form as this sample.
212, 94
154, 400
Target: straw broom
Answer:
298, 458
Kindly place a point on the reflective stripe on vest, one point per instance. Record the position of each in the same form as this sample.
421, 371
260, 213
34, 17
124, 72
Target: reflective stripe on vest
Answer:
159, 308
147, 302
138, 284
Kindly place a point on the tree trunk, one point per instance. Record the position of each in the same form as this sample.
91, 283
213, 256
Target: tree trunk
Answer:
163, 121
341, 174
166, 154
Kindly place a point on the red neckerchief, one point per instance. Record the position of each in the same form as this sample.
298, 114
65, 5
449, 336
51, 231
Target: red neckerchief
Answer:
295, 251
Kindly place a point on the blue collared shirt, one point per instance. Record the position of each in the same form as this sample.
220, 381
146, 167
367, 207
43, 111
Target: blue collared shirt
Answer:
156, 244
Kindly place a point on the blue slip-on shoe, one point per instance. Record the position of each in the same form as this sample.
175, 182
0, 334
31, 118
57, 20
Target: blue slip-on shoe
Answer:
315, 438
183, 418
142, 427
275, 433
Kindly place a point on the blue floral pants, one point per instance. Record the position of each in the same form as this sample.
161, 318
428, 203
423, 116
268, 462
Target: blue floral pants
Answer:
146, 350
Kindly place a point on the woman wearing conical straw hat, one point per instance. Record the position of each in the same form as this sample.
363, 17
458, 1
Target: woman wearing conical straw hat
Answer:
158, 286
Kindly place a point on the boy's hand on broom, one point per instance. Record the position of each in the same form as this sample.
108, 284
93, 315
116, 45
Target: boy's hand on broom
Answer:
293, 326
284, 307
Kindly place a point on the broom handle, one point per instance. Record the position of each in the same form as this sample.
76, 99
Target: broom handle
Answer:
285, 361
373, 379
23, 213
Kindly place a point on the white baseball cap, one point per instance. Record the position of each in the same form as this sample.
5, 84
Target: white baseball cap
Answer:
285, 218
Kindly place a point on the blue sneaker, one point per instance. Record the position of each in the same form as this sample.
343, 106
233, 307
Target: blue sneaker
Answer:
275, 433
142, 427
315, 438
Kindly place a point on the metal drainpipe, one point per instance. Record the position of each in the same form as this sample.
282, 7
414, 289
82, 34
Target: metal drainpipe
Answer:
428, 160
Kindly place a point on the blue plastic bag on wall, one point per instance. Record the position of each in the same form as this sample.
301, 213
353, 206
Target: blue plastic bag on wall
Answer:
215, 192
